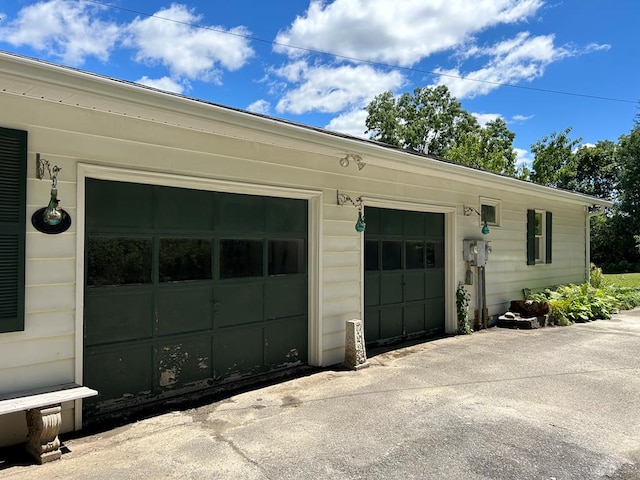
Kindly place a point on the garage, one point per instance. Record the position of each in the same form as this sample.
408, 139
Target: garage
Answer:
404, 275
188, 289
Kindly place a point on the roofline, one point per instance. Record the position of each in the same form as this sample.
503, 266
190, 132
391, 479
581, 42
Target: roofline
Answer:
319, 140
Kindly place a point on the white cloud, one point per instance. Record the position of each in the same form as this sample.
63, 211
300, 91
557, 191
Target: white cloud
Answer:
523, 157
66, 29
522, 58
332, 89
164, 83
484, 118
260, 106
186, 50
399, 33
350, 123
521, 118
584, 145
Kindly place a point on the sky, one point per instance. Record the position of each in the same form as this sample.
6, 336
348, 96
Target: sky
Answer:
542, 66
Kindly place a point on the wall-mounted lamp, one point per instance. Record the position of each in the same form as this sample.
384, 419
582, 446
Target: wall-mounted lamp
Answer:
344, 198
470, 211
50, 219
351, 157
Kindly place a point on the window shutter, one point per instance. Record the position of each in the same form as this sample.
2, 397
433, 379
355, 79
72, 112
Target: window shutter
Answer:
548, 234
13, 189
531, 237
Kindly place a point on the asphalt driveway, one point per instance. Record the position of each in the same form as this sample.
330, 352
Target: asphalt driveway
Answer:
555, 403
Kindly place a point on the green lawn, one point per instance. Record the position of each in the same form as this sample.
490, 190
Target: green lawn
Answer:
624, 279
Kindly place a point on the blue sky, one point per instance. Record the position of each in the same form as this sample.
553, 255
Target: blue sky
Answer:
321, 62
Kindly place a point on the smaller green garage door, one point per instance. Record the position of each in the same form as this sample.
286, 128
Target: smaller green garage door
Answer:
186, 289
404, 274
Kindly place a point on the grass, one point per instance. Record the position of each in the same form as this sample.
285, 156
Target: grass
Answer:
629, 280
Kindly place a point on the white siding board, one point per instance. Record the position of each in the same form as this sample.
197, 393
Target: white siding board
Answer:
49, 298
36, 351
42, 271
336, 291
338, 307
39, 245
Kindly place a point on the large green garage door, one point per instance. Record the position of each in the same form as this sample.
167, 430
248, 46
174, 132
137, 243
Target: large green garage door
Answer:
404, 274
186, 289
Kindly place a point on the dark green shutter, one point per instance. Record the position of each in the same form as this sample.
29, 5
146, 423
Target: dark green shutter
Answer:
13, 195
547, 248
531, 237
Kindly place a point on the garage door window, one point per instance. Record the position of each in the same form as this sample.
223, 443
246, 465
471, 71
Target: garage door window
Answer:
118, 261
391, 255
414, 252
183, 259
371, 251
286, 257
240, 258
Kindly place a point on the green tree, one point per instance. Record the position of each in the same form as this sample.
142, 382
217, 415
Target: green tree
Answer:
432, 121
429, 121
489, 147
597, 170
553, 163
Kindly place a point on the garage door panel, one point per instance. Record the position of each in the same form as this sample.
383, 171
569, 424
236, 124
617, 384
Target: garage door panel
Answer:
287, 216
183, 362
371, 325
413, 224
118, 316
129, 371
239, 213
414, 286
391, 222
125, 205
238, 350
434, 284
391, 324
391, 288
286, 298
238, 304
175, 209
186, 308
414, 318
286, 341
434, 225
435, 315
372, 289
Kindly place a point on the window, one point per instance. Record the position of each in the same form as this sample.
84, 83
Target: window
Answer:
118, 261
240, 258
286, 257
183, 259
13, 183
539, 243
490, 211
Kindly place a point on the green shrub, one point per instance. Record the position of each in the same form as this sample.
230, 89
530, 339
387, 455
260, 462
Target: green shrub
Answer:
596, 278
462, 306
582, 303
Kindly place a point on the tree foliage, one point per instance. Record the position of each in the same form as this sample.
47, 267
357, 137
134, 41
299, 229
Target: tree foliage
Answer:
553, 159
432, 121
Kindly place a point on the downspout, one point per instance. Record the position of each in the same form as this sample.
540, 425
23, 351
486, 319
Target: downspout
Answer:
592, 211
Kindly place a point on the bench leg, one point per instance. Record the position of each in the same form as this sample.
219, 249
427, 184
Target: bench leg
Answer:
42, 438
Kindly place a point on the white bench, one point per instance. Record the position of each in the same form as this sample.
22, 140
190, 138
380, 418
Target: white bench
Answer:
44, 415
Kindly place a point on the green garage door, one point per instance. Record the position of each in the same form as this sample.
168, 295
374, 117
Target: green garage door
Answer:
404, 275
187, 289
